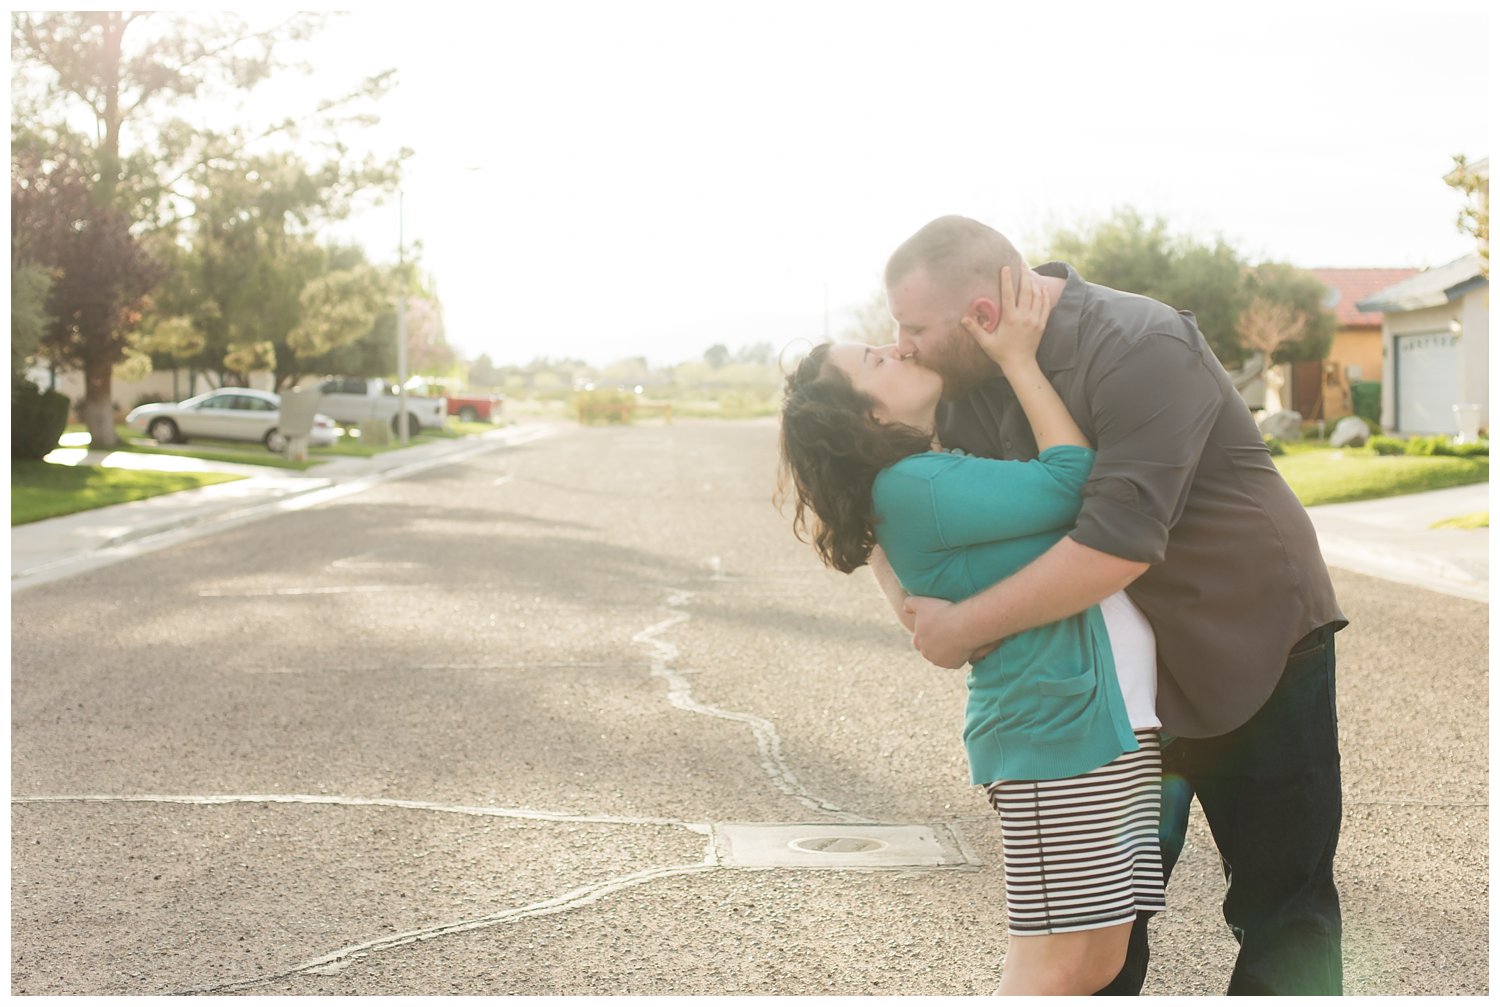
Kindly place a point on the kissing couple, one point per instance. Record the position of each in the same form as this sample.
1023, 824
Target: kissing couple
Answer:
1056, 484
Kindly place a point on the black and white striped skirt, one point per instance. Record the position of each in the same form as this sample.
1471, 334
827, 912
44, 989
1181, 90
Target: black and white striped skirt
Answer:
1084, 852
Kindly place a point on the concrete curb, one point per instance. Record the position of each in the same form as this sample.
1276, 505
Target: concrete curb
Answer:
74, 543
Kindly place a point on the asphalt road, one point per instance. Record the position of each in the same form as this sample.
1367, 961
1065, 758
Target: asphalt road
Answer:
472, 732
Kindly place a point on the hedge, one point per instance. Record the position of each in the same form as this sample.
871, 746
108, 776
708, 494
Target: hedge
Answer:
37, 420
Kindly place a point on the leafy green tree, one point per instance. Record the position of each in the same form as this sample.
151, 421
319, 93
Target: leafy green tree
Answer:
716, 356
129, 72
338, 309
761, 354
871, 322
1474, 218
1132, 253
484, 374
29, 285
372, 355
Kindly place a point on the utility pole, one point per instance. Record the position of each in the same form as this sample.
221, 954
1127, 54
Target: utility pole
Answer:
401, 423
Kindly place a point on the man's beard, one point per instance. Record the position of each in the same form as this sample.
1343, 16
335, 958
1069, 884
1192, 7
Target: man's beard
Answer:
961, 364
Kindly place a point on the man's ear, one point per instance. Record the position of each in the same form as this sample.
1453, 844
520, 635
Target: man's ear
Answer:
986, 312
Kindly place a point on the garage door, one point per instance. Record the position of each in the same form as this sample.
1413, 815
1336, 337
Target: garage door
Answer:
1426, 383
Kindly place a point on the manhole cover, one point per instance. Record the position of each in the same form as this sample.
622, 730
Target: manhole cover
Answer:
827, 847
838, 844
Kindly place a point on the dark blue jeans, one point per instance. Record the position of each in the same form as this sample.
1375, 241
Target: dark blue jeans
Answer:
1270, 792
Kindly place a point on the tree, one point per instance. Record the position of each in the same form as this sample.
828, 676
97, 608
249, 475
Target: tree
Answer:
1474, 218
716, 356
1131, 253
372, 355
761, 354
427, 349
100, 273
1308, 327
871, 322
483, 373
29, 285
115, 67
1264, 326
338, 309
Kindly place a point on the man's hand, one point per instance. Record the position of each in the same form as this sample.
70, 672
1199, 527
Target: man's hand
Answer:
938, 634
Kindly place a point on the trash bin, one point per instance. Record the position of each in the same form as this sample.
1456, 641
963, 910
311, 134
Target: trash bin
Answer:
1467, 414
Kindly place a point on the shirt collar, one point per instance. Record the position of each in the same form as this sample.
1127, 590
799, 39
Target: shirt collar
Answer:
1059, 348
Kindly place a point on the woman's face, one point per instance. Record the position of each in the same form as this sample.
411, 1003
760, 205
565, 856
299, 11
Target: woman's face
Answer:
903, 392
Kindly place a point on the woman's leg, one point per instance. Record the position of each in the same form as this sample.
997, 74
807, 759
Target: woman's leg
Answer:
1072, 964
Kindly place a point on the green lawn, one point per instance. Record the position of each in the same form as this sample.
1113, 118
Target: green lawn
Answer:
245, 453
1322, 475
41, 490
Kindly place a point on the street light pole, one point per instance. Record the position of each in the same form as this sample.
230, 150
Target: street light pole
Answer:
401, 421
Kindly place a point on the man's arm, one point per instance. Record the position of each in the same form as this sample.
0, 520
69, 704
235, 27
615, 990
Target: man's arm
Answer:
1064, 580
890, 586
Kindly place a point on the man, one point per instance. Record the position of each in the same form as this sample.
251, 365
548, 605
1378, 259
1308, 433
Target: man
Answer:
1185, 510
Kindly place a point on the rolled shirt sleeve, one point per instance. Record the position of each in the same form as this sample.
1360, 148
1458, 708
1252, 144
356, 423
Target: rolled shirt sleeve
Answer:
1152, 412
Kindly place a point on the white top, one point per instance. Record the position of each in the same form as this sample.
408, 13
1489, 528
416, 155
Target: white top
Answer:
1134, 645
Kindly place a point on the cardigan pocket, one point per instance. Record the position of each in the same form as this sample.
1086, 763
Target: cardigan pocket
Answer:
1067, 686
1066, 711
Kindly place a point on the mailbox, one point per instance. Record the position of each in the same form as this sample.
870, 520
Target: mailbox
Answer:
298, 407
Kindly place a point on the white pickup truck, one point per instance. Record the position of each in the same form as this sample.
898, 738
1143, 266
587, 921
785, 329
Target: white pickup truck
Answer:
359, 400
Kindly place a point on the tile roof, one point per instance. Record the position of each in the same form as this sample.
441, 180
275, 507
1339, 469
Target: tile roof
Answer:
1348, 286
1429, 288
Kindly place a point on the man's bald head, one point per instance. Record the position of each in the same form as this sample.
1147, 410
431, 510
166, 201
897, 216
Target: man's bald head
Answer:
962, 257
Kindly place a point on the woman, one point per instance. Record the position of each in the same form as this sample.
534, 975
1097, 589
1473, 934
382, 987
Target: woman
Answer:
1071, 766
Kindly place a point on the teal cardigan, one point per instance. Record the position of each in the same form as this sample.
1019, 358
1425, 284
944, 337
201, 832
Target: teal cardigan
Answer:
1046, 703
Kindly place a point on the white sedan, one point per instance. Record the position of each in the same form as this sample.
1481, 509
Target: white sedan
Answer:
235, 414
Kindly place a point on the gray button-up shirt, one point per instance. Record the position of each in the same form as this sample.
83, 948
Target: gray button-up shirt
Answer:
1183, 481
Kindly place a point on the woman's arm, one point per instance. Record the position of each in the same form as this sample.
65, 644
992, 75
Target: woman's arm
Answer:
1013, 345
890, 586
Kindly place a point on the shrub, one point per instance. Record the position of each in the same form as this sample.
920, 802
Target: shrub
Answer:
37, 420
604, 405
1366, 398
1478, 449
1429, 446
1275, 446
147, 399
1386, 445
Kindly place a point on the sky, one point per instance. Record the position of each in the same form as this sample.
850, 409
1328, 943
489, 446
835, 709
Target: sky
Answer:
609, 180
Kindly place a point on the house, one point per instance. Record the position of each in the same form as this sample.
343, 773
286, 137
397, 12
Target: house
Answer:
1436, 340
1323, 390
157, 386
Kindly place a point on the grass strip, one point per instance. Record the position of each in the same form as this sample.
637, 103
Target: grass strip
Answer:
1480, 520
1321, 475
39, 490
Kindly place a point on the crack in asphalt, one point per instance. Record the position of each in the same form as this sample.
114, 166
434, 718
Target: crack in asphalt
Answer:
767, 740
679, 693
336, 961
529, 814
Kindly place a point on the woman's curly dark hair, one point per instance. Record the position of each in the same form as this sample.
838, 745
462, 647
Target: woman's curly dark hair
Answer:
832, 448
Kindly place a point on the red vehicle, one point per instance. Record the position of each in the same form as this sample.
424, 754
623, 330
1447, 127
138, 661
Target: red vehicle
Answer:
471, 407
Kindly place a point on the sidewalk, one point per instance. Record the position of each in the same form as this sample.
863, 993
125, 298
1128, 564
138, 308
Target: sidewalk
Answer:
1393, 538
59, 547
